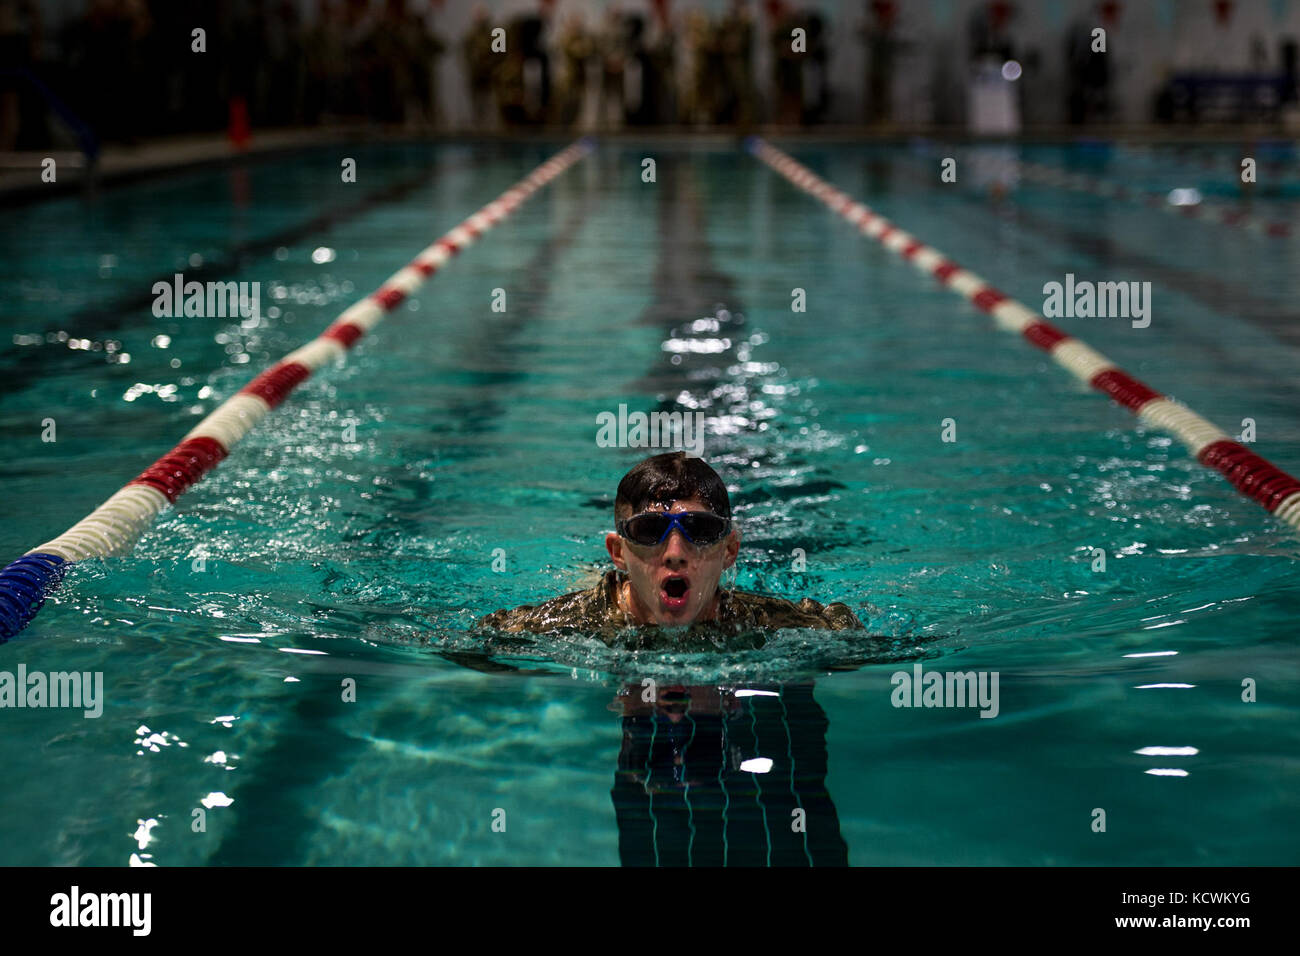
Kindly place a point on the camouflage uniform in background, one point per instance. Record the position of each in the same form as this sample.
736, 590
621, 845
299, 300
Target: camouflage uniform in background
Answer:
576, 47
480, 64
735, 44
508, 79
787, 70
698, 92
426, 46
660, 73
612, 44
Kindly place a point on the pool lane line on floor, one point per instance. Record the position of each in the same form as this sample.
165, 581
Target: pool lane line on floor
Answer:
115, 526
125, 311
115, 312
1252, 475
310, 744
1213, 291
1219, 213
1266, 159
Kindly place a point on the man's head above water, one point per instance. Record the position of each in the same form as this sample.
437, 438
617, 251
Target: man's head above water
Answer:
674, 539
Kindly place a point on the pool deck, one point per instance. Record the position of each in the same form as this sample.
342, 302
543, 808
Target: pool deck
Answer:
20, 172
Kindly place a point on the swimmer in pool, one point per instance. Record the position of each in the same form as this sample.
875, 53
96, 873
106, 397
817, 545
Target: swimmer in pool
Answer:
675, 537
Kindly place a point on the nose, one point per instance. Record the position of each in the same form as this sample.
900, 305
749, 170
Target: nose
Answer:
677, 550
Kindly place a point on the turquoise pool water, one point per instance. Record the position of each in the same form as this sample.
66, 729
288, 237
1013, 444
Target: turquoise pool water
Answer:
352, 535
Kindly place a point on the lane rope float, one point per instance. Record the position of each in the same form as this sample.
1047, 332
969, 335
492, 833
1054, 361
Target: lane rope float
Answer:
1250, 474
114, 527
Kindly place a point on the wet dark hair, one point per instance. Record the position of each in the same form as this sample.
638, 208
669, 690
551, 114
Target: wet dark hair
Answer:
670, 477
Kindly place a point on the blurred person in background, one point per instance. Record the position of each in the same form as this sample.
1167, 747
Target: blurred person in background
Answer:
634, 68
576, 49
735, 32
658, 72
702, 72
508, 79
816, 86
391, 46
537, 32
787, 63
522, 75
356, 80
324, 55
426, 47
878, 36
611, 45
480, 65
1088, 73
993, 99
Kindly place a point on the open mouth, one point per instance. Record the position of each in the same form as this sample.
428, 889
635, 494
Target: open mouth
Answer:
673, 591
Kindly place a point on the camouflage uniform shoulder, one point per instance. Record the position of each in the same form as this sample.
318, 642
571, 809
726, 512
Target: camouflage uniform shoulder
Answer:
761, 610
578, 609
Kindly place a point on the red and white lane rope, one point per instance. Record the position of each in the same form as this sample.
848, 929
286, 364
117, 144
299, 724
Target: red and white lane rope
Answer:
115, 526
1255, 477
1219, 213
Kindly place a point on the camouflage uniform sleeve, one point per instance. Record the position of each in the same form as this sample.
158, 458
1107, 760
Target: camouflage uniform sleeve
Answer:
840, 617
836, 616
577, 609
506, 619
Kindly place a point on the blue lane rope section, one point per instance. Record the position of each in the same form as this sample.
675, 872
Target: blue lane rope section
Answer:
23, 586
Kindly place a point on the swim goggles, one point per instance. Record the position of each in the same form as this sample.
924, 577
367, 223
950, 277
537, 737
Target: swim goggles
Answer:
650, 528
